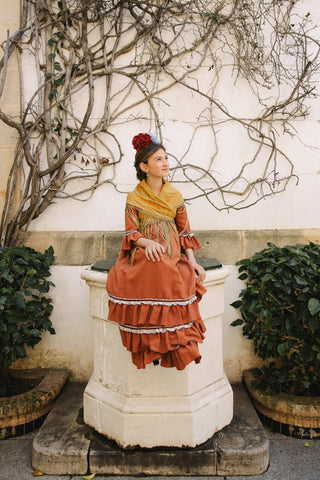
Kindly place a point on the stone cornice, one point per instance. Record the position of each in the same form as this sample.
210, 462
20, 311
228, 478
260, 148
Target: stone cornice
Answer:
228, 246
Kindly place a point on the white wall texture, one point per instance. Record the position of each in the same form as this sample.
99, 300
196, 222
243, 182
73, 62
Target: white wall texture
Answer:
296, 208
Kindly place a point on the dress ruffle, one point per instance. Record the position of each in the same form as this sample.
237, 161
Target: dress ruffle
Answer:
129, 239
189, 241
163, 342
179, 358
156, 315
174, 349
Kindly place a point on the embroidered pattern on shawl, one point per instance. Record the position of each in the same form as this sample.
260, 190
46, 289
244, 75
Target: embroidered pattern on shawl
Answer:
163, 206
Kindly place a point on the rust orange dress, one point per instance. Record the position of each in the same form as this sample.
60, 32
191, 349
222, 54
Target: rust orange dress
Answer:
156, 303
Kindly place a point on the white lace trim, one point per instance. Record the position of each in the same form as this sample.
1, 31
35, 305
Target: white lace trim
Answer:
150, 330
153, 301
189, 234
131, 231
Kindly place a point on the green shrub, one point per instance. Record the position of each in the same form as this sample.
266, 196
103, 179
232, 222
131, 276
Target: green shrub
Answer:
25, 307
280, 309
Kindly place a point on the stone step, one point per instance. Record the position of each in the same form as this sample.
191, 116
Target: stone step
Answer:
65, 445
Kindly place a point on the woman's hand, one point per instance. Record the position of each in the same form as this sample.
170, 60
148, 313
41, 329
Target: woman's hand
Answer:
153, 250
200, 272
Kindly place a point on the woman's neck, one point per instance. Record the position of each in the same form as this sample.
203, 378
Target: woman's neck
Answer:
155, 183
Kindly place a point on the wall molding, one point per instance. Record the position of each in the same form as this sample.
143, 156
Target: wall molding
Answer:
86, 247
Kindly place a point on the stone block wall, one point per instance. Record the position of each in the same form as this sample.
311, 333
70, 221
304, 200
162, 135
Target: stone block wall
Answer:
10, 99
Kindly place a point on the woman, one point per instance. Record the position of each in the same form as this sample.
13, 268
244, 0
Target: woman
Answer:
154, 287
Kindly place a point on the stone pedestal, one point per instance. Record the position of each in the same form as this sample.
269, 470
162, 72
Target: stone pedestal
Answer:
157, 406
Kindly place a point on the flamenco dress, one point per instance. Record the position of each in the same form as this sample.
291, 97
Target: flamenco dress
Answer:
156, 303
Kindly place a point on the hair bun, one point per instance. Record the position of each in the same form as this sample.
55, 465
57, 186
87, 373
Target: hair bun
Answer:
143, 140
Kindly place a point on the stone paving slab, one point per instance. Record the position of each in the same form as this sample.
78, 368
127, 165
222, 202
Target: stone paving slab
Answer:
65, 445
61, 447
242, 446
109, 459
290, 459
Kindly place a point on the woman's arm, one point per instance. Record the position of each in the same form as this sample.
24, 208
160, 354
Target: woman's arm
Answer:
198, 268
153, 250
188, 241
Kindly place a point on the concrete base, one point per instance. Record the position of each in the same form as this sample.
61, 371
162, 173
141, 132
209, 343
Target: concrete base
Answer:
170, 420
64, 444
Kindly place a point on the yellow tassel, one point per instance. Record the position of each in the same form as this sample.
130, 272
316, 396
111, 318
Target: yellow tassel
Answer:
132, 255
163, 230
133, 215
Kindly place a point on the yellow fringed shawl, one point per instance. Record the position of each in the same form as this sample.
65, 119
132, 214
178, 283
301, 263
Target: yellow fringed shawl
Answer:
155, 209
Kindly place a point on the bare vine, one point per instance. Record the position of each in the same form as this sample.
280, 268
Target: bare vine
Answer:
135, 53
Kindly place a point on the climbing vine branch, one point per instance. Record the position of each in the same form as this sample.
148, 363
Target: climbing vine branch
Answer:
95, 65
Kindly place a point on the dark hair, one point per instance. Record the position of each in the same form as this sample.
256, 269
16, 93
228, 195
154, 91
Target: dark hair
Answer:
142, 157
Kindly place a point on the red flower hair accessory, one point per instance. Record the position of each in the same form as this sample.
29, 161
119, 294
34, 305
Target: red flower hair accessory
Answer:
140, 141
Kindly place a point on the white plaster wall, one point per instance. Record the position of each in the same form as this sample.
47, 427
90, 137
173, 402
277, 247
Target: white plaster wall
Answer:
297, 207
237, 350
294, 208
179, 112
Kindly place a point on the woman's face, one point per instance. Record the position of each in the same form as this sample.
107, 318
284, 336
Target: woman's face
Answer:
157, 164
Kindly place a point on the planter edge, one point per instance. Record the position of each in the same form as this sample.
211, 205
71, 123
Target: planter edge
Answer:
297, 414
28, 407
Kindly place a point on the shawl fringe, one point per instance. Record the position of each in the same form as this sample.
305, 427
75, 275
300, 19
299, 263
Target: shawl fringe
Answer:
151, 212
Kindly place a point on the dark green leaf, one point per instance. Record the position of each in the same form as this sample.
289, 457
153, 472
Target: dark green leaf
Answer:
266, 278
20, 300
53, 93
300, 281
236, 304
59, 82
17, 337
239, 321
57, 66
314, 306
243, 276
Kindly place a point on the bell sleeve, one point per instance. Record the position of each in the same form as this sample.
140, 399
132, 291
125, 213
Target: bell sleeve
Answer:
132, 233
186, 237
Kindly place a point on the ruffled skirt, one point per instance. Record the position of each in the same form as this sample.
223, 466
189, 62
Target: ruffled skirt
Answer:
156, 307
